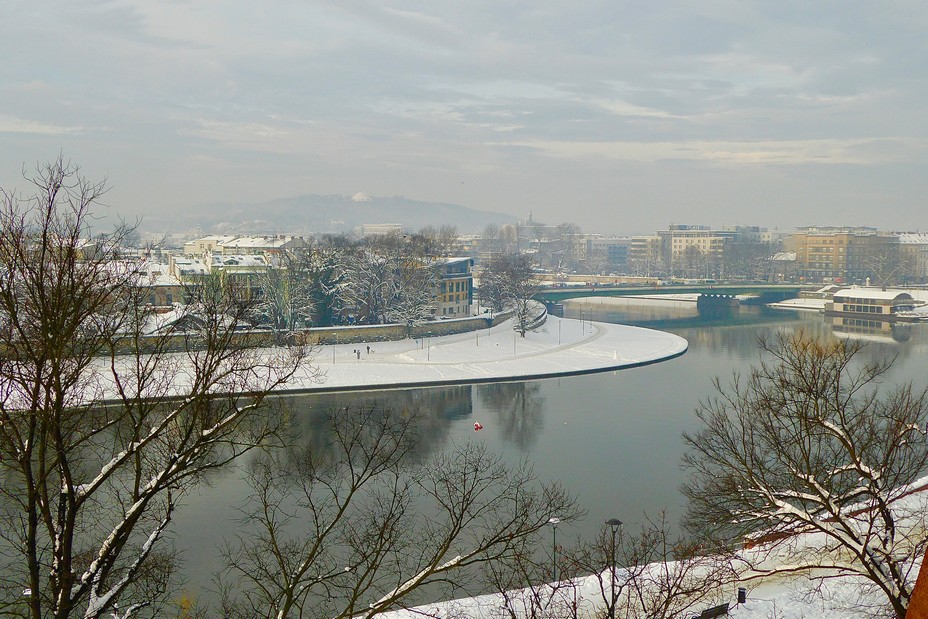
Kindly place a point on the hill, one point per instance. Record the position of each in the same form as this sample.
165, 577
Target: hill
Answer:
314, 213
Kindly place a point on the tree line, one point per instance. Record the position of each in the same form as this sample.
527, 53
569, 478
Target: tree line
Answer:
384, 279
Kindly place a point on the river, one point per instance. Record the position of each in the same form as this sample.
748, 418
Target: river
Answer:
613, 439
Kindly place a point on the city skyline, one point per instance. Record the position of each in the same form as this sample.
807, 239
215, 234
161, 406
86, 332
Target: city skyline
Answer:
619, 117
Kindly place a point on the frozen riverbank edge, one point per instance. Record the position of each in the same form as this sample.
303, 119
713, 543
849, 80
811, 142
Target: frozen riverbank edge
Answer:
560, 347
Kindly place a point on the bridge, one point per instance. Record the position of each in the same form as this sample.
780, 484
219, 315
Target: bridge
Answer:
765, 293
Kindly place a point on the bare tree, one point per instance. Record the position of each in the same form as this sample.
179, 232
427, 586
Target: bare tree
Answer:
509, 281
695, 262
286, 300
365, 526
745, 261
887, 264
366, 286
389, 281
526, 590
811, 442
413, 293
101, 430
497, 240
435, 242
657, 574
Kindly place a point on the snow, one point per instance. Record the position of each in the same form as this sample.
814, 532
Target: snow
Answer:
801, 304
560, 347
875, 294
799, 594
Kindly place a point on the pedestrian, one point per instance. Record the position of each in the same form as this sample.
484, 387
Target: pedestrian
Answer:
368, 349
359, 354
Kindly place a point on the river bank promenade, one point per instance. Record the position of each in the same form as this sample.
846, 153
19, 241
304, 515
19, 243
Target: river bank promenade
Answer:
560, 347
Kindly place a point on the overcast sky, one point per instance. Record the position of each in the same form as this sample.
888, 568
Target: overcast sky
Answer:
619, 116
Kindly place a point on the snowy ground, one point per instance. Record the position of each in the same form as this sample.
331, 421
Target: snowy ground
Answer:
791, 595
783, 597
560, 347
808, 305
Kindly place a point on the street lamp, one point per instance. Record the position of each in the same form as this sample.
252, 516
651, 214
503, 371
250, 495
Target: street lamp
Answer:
615, 524
554, 522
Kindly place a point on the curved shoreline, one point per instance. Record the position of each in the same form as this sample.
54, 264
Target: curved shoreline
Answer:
561, 347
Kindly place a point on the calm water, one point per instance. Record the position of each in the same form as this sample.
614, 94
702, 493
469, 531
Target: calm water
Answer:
614, 439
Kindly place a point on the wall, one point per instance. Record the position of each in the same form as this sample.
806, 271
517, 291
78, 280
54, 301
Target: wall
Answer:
383, 333
333, 335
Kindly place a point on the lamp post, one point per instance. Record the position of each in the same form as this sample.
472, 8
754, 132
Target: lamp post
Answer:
615, 524
554, 522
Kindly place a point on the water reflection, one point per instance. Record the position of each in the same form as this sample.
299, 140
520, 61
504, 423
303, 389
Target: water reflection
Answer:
432, 410
519, 409
612, 438
870, 330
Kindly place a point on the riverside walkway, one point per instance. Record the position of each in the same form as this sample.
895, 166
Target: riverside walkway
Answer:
560, 347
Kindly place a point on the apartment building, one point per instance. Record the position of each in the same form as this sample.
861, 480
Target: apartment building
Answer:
913, 249
838, 253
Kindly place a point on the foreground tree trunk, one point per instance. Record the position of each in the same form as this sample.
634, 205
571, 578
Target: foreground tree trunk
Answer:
101, 429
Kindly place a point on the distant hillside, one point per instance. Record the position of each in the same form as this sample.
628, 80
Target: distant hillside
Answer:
314, 213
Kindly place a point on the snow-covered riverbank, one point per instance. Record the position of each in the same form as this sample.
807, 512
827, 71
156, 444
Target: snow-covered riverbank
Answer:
560, 347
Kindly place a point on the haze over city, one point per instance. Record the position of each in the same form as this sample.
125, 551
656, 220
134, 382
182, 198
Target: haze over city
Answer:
622, 117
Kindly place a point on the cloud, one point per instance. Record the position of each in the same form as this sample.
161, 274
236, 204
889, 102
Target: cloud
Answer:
399, 98
784, 152
11, 124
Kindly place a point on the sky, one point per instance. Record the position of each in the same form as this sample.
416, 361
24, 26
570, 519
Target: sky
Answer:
622, 117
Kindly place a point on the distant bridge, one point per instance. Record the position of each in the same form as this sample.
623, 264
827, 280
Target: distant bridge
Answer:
765, 293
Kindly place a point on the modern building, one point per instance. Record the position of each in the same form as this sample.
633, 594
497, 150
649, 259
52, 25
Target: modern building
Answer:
455, 293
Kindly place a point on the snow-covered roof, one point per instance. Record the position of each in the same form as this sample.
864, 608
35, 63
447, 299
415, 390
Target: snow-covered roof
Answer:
913, 238
875, 294
215, 238
184, 265
158, 274
256, 242
238, 260
456, 260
